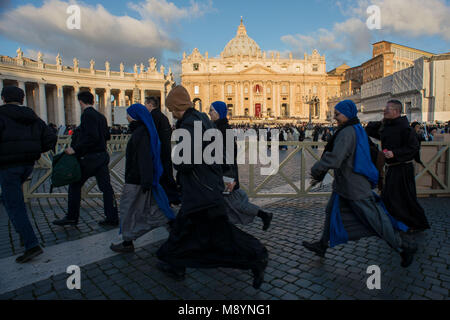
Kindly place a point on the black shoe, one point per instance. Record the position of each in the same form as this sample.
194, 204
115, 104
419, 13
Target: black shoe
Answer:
29, 254
171, 271
258, 274
266, 218
111, 223
121, 248
316, 247
408, 256
65, 222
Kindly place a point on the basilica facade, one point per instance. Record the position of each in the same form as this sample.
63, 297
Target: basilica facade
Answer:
260, 85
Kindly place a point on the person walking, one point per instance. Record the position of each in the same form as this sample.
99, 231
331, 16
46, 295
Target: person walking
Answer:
239, 209
400, 146
202, 236
164, 130
144, 205
23, 138
354, 211
89, 146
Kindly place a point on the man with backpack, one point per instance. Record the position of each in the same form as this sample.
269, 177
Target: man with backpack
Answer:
354, 210
89, 146
23, 137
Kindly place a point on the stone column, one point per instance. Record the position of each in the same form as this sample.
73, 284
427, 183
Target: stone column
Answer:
42, 103
142, 96
122, 98
108, 112
236, 103
264, 105
277, 100
22, 86
223, 91
291, 107
76, 105
252, 107
59, 105
92, 90
273, 99
241, 107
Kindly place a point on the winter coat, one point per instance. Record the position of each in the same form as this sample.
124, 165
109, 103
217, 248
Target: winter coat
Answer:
92, 134
139, 165
23, 136
229, 170
201, 184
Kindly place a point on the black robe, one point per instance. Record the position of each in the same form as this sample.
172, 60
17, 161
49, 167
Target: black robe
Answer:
399, 192
201, 235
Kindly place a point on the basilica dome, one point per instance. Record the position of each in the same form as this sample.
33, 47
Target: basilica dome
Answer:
242, 45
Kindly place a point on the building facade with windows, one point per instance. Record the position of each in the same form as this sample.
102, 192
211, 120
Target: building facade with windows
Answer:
257, 84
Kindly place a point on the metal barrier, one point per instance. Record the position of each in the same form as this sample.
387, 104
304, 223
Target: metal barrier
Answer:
435, 155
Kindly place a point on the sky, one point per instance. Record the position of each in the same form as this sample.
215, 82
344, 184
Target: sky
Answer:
134, 31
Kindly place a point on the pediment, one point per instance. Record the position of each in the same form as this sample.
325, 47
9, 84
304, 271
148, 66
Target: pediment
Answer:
258, 69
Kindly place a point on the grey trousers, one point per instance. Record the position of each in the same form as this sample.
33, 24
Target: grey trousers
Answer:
239, 209
363, 218
139, 213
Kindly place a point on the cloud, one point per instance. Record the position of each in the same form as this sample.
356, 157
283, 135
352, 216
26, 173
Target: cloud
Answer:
415, 17
103, 36
162, 10
351, 39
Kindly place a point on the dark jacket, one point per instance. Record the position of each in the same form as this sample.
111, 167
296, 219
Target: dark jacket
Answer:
397, 136
92, 134
201, 184
23, 136
229, 170
139, 165
165, 133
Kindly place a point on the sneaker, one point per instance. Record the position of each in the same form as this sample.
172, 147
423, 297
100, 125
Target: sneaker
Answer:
111, 223
29, 254
267, 219
316, 247
408, 256
65, 222
258, 274
120, 248
171, 271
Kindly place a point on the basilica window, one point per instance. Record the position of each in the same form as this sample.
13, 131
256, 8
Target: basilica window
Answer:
195, 66
229, 89
268, 90
246, 90
214, 68
315, 67
196, 90
284, 89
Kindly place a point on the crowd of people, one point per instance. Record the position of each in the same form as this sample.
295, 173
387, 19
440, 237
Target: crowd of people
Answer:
203, 232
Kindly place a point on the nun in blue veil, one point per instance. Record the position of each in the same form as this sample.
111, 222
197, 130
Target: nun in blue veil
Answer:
354, 211
144, 205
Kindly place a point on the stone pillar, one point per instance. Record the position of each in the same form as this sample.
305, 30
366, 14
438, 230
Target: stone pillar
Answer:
22, 86
223, 91
121, 98
76, 105
236, 103
108, 112
59, 106
42, 103
242, 107
252, 107
142, 96
264, 104
291, 106
277, 100
92, 90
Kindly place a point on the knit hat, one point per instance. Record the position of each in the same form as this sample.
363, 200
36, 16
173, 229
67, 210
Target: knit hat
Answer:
178, 99
347, 108
221, 108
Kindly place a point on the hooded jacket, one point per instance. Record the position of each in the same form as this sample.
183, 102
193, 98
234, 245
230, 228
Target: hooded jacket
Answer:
23, 136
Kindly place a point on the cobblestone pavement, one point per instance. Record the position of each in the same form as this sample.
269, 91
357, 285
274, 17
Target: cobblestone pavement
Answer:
293, 272
43, 211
